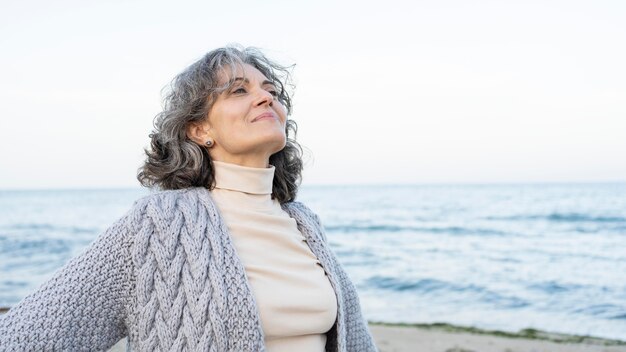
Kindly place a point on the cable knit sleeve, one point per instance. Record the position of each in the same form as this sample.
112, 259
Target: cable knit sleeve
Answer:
83, 307
308, 216
318, 221
358, 336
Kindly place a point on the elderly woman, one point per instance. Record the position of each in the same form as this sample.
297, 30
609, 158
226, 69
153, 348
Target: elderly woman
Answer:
222, 258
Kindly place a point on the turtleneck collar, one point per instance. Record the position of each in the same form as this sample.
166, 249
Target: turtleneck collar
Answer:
245, 179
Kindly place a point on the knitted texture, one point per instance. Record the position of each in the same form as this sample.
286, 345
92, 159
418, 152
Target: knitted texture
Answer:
166, 275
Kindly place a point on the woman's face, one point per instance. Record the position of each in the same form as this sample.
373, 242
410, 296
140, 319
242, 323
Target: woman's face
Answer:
247, 122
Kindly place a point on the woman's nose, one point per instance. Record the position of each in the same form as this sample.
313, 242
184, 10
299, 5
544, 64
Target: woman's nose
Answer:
264, 97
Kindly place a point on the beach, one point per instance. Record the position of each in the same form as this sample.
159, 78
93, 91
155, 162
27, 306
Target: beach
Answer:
482, 256
440, 337
449, 338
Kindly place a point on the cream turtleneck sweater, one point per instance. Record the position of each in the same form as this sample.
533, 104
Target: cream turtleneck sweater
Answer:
297, 305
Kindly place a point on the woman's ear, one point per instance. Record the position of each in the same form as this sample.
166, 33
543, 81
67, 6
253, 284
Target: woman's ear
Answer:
198, 132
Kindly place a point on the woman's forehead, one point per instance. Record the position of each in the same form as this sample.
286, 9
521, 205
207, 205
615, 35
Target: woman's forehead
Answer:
231, 73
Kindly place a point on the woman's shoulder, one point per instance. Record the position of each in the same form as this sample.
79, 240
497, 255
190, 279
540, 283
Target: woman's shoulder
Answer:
169, 195
164, 205
299, 207
172, 198
305, 215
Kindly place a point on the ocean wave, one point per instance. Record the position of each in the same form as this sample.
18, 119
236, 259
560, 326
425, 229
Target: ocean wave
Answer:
553, 287
11, 285
561, 217
479, 294
397, 284
50, 228
449, 230
619, 316
608, 311
24, 247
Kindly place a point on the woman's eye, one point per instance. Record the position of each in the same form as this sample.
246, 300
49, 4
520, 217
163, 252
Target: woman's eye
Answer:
273, 92
239, 90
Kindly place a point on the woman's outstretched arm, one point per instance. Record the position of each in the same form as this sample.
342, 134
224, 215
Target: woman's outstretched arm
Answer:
83, 306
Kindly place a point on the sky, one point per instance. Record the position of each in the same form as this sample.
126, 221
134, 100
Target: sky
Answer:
393, 92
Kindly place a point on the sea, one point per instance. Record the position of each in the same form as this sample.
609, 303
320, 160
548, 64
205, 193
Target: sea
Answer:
502, 257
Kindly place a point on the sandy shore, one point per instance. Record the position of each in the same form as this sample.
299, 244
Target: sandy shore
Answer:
449, 338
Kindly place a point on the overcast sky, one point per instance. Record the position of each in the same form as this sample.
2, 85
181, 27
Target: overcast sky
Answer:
387, 91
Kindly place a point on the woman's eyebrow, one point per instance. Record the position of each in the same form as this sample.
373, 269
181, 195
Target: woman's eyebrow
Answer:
247, 81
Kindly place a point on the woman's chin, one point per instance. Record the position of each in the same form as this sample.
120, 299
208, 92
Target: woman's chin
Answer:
280, 145
275, 139
276, 145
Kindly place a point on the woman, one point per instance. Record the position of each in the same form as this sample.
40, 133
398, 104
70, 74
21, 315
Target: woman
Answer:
223, 258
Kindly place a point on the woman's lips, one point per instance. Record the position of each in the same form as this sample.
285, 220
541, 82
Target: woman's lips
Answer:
265, 116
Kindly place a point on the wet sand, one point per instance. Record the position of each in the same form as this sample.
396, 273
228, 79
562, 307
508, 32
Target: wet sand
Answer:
430, 338
450, 338
411, 338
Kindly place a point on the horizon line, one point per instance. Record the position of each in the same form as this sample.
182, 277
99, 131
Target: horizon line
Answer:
401, 184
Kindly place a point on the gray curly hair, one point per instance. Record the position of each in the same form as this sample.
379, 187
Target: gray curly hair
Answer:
173, 161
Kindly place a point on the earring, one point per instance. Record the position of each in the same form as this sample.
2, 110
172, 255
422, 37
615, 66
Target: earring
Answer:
209, 143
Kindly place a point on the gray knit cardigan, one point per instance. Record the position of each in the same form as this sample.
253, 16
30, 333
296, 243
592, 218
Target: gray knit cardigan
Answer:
167, 276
